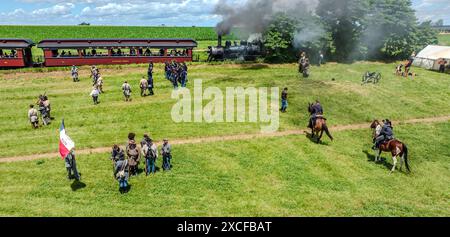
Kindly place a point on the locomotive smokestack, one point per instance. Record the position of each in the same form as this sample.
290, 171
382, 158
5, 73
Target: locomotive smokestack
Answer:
219, 41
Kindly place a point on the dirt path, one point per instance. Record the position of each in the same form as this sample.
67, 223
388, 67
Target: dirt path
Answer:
226, 138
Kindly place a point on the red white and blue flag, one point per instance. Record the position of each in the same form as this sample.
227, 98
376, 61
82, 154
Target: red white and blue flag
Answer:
65, 143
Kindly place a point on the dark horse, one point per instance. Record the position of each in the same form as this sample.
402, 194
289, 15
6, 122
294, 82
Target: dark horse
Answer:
394, 146
319, 127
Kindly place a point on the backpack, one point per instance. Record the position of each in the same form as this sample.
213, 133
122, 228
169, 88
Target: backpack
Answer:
121, 174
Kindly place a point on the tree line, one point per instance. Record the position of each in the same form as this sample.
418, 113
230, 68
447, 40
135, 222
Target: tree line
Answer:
349, 30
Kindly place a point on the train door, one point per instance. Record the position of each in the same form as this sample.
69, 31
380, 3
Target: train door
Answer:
27, 57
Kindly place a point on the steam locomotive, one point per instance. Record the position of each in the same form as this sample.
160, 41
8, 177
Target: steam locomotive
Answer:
246, 50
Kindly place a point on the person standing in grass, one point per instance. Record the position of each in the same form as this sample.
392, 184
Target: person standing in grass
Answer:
442, 63
71, 166
150, 152
143, 84
126, 88
95, 93
74, 72
166, 151
121, 173
100, 84
150, 79
116, 154
284, 102
33, 116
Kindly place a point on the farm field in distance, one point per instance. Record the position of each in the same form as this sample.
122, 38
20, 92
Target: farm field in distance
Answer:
444, 39
254, 177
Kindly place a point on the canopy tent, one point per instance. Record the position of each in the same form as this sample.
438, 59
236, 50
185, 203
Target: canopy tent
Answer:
429, 57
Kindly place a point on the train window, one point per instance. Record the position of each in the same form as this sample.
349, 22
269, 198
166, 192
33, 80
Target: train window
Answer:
8, 53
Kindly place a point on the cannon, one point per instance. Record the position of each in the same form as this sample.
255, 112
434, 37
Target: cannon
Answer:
246, 51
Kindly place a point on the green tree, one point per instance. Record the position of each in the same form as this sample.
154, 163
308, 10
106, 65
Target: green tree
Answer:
344, 20
278, 38
389, 32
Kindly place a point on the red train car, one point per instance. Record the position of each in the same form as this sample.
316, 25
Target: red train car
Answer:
68, 52
15, 53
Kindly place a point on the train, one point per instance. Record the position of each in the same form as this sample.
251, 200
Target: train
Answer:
18, 53
245, 50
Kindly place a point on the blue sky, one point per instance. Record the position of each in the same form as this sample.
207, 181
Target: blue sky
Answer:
147, 12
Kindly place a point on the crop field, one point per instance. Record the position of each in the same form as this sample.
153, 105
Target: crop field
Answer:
38, 33
264, 176
444, 39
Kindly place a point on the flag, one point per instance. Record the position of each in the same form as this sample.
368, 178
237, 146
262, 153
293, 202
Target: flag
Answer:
65, 143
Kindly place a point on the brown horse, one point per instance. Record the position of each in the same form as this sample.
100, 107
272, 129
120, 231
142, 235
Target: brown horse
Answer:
394, 146
319, 127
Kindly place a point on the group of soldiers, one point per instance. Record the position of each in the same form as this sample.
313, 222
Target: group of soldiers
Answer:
176, 73
126, 163
43, 104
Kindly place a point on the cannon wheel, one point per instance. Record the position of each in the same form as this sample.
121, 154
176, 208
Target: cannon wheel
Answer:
377, 78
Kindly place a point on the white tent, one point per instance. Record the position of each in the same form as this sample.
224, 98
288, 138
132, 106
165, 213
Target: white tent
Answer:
429, 57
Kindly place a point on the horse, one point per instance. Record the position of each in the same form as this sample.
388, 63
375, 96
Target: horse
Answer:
319, 127
394, 146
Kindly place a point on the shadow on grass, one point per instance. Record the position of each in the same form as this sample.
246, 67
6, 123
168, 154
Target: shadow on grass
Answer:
314, 140
254, 66
371, 158
76, 185
125, 190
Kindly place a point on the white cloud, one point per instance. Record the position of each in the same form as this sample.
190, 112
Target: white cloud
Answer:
153, 12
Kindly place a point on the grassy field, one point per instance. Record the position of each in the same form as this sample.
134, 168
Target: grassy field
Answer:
444, 39
345, 102
288, 176
285, 176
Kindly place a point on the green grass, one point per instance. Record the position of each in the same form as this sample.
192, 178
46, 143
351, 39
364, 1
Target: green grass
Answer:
288, 176
345, 102
444, 39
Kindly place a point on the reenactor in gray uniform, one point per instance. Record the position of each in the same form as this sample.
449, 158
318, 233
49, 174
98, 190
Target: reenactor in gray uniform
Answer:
33, 116
126, 88
44, 109
143, 84
166, 150
116, 154
71, 166
121, 174
75, 74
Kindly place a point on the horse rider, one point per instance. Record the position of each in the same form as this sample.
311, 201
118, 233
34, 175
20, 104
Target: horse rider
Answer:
166, 150
121, 173
126, 88
143, 84
74, 72
71, 166
317, 111
33, 116
386, 134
